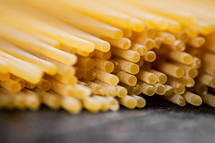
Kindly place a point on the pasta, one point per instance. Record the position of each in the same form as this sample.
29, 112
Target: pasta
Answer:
192, 98
98, 55
129, 102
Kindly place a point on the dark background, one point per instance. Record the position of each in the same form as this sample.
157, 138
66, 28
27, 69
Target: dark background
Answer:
159, 122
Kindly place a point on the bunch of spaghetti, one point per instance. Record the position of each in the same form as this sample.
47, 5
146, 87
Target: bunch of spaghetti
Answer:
98, 54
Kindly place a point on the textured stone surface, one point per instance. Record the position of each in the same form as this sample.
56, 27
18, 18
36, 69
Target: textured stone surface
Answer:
160, 122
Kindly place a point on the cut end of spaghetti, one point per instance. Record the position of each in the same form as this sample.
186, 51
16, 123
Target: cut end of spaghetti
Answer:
179, 72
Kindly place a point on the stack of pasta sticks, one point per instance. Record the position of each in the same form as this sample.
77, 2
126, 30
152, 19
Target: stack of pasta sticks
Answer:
98, 54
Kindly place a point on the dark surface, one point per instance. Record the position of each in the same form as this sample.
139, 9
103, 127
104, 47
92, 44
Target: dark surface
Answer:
159, 122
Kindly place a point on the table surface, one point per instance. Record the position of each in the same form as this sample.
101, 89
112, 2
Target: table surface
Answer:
160, 121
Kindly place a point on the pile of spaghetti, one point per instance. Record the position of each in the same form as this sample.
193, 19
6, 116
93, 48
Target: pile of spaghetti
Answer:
98, 54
